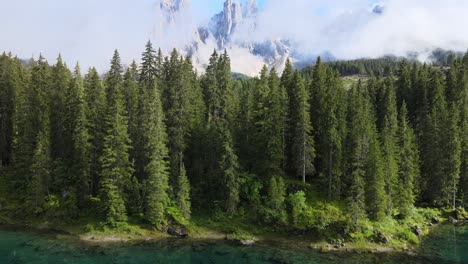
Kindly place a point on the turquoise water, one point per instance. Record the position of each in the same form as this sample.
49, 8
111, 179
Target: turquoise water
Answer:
446, 245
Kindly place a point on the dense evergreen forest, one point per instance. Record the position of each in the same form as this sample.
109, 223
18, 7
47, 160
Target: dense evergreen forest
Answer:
160, 142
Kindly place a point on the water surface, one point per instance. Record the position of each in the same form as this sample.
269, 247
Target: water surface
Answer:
447, 244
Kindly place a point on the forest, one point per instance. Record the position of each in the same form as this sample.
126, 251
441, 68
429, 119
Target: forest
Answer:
159, 142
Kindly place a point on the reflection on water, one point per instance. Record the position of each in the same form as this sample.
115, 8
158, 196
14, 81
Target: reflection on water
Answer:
446, 245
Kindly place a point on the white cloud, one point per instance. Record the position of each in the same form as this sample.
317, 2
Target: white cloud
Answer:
89, 30
348, 29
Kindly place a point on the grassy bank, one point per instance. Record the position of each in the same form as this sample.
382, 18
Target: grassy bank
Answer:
384, 236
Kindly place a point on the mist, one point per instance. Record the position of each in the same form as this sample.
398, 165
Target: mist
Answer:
87, 31
349, 29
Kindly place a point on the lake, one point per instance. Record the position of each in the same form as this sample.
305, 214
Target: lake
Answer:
447, 244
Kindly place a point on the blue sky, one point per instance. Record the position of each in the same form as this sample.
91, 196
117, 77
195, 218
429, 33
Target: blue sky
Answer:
89, 30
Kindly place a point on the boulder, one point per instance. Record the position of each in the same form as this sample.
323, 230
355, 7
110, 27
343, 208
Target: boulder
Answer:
247, 242
435, 220
417, 230
338, 243
177, 231
452, 220
381, 238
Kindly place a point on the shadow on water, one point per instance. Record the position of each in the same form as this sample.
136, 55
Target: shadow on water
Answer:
447, 244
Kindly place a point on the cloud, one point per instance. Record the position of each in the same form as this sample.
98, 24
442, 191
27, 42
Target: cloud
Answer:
349, 29
89, 30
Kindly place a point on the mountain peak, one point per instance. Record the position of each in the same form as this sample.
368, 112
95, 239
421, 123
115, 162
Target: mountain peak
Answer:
171, 7
251, 9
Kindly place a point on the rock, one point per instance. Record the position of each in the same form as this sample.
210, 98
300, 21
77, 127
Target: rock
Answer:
417, 230
247, 242
381, 238
177, 231
339, 243
435, 220
452, 220
459, 214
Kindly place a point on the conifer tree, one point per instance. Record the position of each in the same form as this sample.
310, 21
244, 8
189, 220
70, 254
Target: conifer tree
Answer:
9, 86
130, 94
95, 112
40, 170
302, 142
148, 71
437, 189
390, 147
39, 185
332, 136
116, 167
464, 151
212, 93
319, 112
183, 193
24, 135
230, 169
453, 152
287, 87
405, 87
408, 166
77, 130
275, 211
367, 183
157, 184
176, 99
267, 120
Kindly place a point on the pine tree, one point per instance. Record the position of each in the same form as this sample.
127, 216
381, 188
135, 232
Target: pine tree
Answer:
319, 108
453, 155
157, 184
60, 149
40, 170
464, 143
275, 211
148, 71
287, 87
332, 136
95, 112
212, 93
77, 129
24, 134
9, 88
176, 99
408, 164
302, 142
405, 87
438, 187
376, 198
367, 184
116, 167
130, 95
183, 193
230, 169
390, 147
267, 120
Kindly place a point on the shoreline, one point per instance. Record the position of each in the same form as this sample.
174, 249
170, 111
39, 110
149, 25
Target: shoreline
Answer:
272, 240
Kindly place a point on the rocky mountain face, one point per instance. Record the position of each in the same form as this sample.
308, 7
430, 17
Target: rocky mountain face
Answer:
170, 8
227, 30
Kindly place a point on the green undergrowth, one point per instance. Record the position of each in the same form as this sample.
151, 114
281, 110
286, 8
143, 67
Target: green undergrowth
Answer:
316, 220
